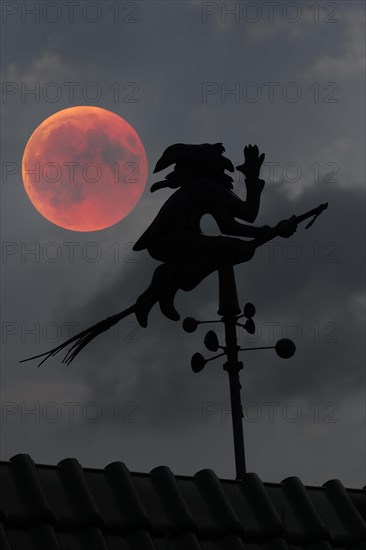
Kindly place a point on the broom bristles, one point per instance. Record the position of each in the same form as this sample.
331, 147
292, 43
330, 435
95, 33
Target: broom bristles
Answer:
83, 338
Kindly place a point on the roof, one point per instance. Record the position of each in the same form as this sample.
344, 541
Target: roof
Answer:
67, 507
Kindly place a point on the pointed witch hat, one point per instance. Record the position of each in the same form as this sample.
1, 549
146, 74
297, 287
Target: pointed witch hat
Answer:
191, 161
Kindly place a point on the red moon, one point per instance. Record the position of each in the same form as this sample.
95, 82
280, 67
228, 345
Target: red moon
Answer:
84, 168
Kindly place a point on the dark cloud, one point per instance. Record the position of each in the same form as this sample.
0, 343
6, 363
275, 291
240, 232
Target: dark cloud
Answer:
168, 415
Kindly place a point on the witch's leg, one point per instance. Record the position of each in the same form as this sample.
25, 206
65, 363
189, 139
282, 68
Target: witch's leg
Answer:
198, 258
162, 289
168, 278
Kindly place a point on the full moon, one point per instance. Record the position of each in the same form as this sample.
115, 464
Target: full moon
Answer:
84, 168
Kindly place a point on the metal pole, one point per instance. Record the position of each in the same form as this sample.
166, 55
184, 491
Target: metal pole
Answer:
229, 310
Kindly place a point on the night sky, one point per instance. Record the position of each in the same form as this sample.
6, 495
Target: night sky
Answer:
289, 77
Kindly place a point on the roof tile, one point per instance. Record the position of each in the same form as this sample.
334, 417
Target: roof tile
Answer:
320, 546
275, 544
224, 519
44, 538
177, 509
4, 541
138, 540
36, 508
132, 514
66, 507
232, 542
347, 512
83, 504
312, 526
268, 520
92, 539
183, 541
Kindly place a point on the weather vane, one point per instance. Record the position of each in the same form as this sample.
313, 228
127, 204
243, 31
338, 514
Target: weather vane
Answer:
188, 256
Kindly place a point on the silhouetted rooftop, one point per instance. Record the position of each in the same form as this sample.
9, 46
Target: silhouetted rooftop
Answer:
67, 507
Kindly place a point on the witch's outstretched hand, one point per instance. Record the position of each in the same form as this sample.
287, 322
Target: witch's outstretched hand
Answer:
253, 162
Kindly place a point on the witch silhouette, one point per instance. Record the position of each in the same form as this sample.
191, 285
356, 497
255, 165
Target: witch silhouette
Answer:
175, 238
